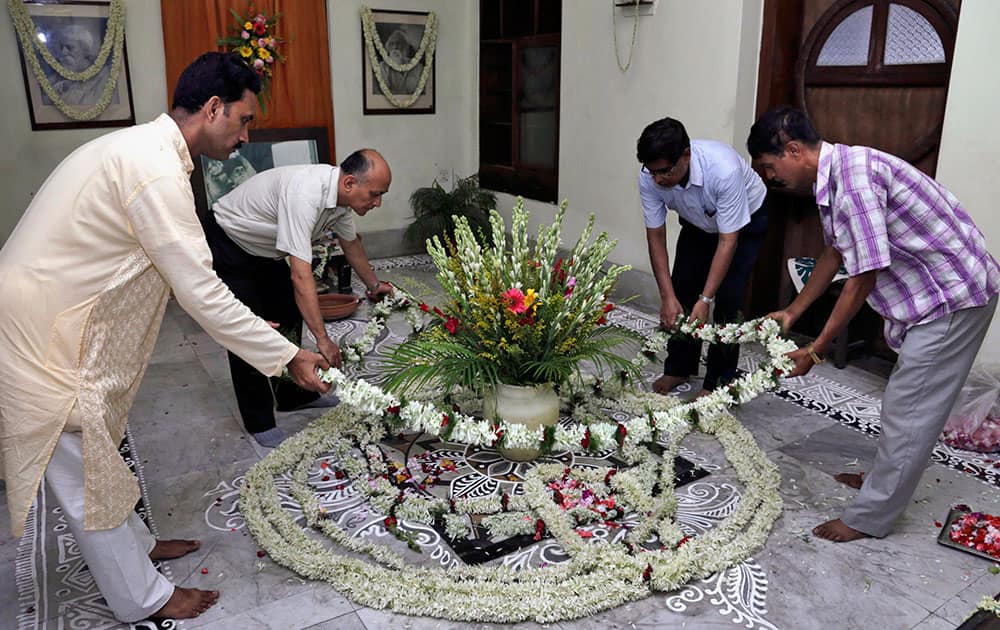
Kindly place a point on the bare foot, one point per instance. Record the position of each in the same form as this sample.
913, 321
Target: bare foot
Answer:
853, 480
666, 383
837, 531
170, 549
186, 603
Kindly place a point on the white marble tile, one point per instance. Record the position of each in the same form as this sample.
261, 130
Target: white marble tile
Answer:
373, 619
317, 604
933, 622
350, 621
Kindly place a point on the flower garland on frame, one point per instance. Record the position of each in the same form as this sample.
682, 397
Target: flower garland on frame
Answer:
376, 50
113, 45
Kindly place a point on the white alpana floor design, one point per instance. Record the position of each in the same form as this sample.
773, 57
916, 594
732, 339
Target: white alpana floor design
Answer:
188, 447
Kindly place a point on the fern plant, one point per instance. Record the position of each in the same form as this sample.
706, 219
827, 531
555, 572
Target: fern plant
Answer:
435, 210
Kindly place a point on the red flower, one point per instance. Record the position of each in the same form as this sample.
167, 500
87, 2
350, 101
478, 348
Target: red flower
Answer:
514, 300
585, 442
648, 573
539, 529
438, 312
445, 420
582, 533
526, 321
390, 521
609, 307
260, 28
393, 410
425, 308
260, 553
451, 325
505, 501
621, 433
339, 474
607, 477
682, 541
602, 320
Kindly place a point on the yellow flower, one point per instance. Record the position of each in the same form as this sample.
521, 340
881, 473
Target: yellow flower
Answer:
248, 25
263, 53
246, 51
529, 298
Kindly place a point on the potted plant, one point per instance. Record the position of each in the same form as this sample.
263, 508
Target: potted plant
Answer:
516, 322
435, 209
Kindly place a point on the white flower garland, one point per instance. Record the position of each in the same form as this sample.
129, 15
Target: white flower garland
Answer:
376, 50
598, 576
114, 42
614, 30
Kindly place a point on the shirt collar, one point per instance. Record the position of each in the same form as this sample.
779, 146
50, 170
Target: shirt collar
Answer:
695, 174
822, 186
170, 128
333, 187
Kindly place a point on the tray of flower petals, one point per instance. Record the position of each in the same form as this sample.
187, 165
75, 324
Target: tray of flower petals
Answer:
977, 533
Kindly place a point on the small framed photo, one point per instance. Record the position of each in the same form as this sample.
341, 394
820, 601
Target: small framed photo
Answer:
268, 148
73, 32
400, 33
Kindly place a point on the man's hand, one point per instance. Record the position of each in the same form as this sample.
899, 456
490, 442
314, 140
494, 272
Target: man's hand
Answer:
302, 369
803, 362
699, 312
785, 318
381, 289
330, 351
670, 310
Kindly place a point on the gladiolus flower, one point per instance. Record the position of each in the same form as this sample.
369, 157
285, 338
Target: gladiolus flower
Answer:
451, 325
425, 308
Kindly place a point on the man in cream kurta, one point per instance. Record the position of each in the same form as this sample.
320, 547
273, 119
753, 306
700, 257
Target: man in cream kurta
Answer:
84, 280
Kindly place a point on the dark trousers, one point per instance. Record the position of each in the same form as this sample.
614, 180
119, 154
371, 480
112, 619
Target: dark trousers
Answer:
692, 261
265, 286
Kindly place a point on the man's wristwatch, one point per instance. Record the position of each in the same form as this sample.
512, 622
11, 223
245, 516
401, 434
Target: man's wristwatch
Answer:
372, 288
812, 355
707, 300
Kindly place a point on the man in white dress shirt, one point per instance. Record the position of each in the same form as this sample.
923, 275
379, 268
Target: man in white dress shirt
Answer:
720, 203
281, 213
84, 282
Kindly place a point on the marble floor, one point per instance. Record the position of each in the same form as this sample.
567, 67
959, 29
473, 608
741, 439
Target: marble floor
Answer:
191, 451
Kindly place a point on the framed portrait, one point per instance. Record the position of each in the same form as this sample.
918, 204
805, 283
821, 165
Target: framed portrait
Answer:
268, 148
74, 32
400, 33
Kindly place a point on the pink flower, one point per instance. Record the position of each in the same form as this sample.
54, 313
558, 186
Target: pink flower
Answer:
258, 63
515, 300
244, 35
262, 43
270, 60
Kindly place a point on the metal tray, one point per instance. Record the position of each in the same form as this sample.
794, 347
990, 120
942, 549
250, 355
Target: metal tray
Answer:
945, 539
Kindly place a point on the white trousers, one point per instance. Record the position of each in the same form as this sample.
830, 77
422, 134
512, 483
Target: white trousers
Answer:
118, 558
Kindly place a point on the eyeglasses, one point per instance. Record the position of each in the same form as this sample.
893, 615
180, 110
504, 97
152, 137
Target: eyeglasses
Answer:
659, 172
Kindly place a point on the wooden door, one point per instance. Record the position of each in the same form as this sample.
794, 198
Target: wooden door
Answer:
868, 72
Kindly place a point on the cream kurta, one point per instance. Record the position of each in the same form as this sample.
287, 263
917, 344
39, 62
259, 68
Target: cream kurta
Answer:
84, 281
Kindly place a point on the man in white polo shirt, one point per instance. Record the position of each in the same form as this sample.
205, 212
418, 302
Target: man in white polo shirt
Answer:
723, 217
279, 213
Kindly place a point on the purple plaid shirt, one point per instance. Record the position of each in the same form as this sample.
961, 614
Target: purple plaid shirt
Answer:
882, 213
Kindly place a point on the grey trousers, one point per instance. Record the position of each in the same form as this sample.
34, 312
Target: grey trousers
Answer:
932, 367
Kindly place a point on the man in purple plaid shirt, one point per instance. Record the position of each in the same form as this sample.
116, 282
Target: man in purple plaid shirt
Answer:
914, 254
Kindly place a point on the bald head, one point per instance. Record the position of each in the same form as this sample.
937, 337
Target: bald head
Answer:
364, 178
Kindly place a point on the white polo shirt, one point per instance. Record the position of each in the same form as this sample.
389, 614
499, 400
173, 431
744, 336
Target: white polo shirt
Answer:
283, 211
722, 191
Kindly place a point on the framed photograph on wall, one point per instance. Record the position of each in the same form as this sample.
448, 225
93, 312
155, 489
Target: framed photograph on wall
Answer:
74, 32
268, 148
400, 33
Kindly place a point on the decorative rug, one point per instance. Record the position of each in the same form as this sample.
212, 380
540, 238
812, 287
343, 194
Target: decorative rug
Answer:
54, 585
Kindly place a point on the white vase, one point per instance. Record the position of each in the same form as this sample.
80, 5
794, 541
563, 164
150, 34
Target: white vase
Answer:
531, 405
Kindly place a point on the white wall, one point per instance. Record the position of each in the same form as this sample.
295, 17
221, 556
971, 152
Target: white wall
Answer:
694, 61
969, 162
29, 156
415, 145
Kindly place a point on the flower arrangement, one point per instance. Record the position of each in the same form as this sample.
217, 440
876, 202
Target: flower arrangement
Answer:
521, 316
255, 44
